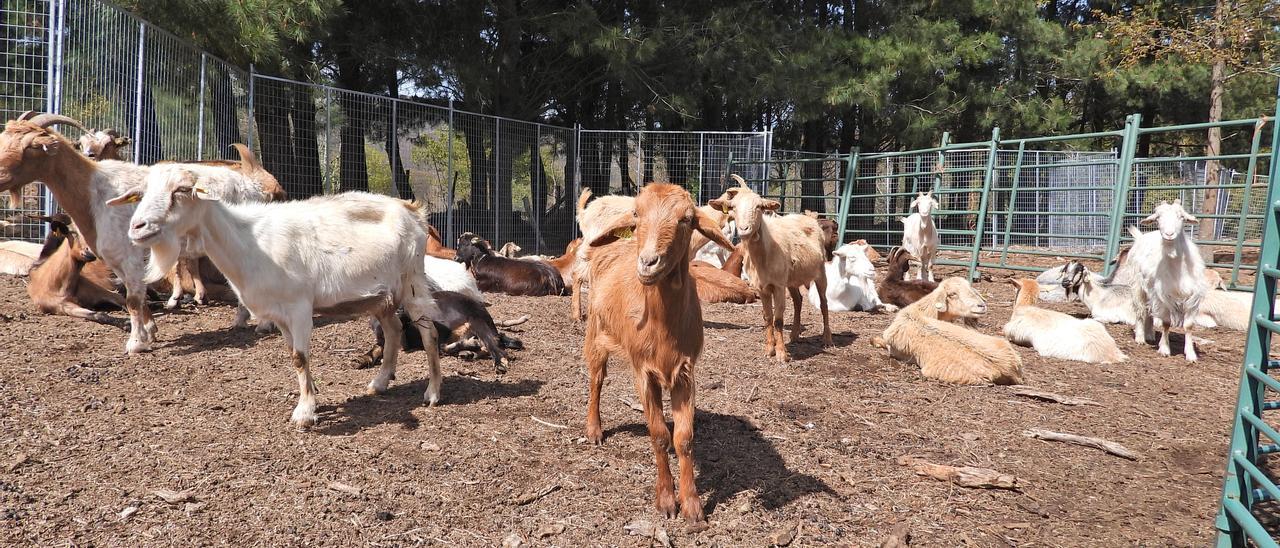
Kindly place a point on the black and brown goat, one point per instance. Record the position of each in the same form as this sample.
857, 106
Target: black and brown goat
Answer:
496, 274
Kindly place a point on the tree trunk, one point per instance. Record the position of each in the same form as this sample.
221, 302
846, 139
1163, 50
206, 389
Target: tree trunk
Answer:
1217, 85
307, 179
353, 172
811, 175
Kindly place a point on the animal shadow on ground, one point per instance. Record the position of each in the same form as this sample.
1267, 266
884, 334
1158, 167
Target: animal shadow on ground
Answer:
810, 346
720, 325
396, 405
734, 457
189, 342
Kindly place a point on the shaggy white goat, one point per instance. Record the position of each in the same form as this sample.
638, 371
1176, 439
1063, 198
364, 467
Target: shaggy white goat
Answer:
851, 281
351, 254
1056, 335
446, 275
1170, 277
1107, 302
919, 235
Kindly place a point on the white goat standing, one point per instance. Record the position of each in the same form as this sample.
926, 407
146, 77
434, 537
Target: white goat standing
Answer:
351, 254
920, 236
1170, 281
851, 282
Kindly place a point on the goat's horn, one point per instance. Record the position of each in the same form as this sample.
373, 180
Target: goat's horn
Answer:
47, 119
27, 115
742, 183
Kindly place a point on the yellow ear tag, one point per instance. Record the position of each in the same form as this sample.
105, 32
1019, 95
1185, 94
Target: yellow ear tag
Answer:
724, 208
133, 199
200, 189
623, 233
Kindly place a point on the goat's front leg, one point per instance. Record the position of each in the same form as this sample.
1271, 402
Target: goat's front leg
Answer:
796, 326
135, 301
1188, 344
682, 409
175, 281
597, 360
576, 301
821, 285
298, 332
779, 309
766, 306
196, 280
1163, 349
660, 437
392, 333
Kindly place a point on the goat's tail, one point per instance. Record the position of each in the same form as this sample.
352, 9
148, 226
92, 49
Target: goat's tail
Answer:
1134, 231
582, 199
248, 161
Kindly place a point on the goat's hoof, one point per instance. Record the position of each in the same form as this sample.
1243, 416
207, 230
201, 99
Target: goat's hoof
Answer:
666, 502
136, 347
170, 305
1163, 352
375, 388
304, 421
500, 367
595, 435
431, 399
691, 510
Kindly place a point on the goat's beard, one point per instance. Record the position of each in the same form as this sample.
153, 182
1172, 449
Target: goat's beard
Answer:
164, 256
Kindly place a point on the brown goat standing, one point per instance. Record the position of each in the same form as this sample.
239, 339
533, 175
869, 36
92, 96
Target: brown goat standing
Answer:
644, 304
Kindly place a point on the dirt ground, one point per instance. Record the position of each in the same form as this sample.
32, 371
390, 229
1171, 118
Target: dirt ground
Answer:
87, 433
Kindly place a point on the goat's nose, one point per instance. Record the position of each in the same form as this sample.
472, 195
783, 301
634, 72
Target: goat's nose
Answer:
140, 225
648, 260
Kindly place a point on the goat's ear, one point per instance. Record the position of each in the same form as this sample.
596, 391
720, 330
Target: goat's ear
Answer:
132, 196
723, 206
201, 191
1150, 219
710, 228
622, 227
1189, 218
770, 205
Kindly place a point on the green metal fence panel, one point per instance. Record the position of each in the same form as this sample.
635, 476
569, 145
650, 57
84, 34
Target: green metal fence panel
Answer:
1245, 484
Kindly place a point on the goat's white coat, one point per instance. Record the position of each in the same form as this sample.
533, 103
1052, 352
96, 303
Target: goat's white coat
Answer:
851, 282
920, 236
16, 257
1107, 302
1170, 282
446, 275
1054, 334
353, 253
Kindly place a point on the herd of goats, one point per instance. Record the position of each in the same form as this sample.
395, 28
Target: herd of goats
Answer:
223, 230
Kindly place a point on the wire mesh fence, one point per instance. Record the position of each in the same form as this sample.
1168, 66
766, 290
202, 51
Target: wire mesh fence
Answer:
25, 27
620, 161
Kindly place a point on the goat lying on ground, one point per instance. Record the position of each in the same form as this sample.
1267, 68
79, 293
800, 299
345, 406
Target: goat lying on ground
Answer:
851, 281
496, 274
784, 253
16, 257
717, 286
923, 333
1170, 283
919, 235
644, 304
897, 291
1057, 335
351, 254
1107, 302
460, 317
68, 279
435, 245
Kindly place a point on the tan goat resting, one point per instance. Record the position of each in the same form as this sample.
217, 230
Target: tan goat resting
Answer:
922, 333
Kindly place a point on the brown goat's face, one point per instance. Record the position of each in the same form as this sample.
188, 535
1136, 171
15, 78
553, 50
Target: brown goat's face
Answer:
663, 220
21, 145
747, 209
960, 299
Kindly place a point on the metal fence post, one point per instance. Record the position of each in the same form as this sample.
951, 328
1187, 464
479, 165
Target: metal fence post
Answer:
448, 214
702, 169
987, 180
1013, 201
577, 180
846, 195
57, 35
1120, 196
137, 104
394, 154
1245, 200
326, 178
253, 120
200, 112
493, 181
534, 164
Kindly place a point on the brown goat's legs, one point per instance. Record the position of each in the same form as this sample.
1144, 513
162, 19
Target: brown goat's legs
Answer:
597, 367
682, 406
821, 285
779, 309
576, 301
796, 327
196, 280
660, 437
766, 306
175, 281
